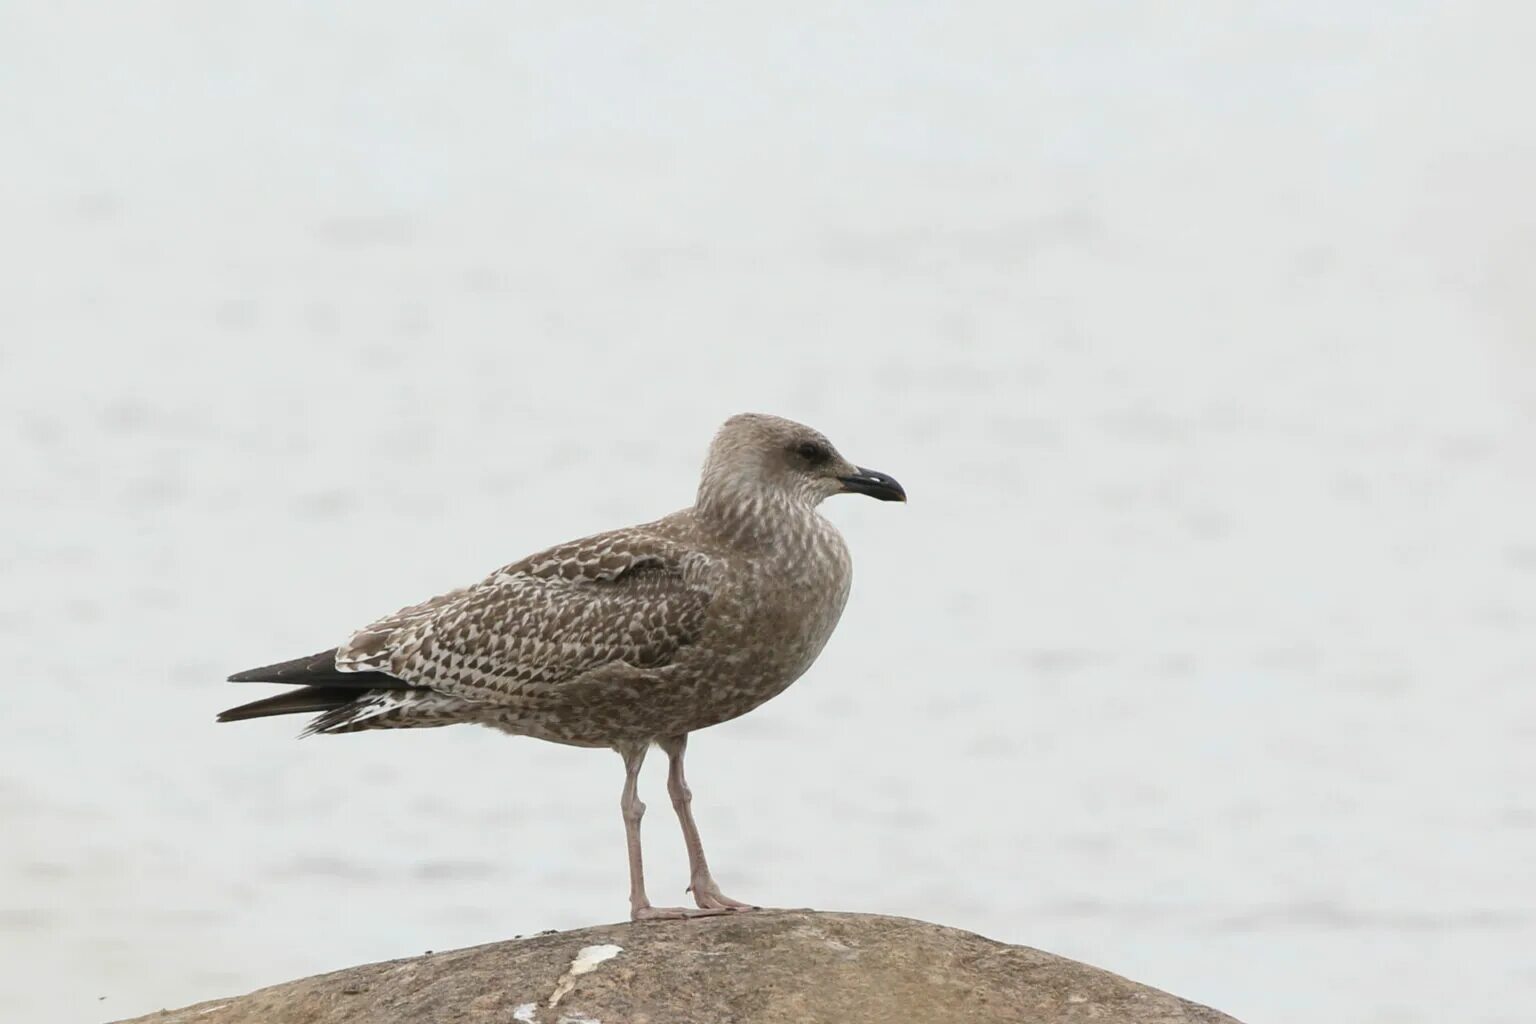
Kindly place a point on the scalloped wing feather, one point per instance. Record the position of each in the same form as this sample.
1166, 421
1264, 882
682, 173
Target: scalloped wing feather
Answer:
617, 598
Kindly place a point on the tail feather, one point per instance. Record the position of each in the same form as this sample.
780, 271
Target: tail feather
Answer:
322, 686
318, 670
390, 709
294, 702
346, 701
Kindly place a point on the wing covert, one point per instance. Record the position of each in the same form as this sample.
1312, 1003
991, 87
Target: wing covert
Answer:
537, 623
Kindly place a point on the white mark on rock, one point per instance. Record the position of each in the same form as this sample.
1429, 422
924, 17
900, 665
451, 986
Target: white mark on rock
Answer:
525, 1013
587, 960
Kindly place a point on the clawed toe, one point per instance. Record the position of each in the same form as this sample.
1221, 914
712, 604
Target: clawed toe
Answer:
713, 899
676, 913
731, 907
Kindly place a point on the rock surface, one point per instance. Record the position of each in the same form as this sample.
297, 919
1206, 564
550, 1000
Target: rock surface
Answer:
759, 968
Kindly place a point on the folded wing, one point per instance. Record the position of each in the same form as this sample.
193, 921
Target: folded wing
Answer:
540, 622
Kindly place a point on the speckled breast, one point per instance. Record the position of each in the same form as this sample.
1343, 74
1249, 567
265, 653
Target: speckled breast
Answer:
772, 627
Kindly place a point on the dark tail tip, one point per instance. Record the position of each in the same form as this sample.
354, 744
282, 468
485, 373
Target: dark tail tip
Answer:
304, 700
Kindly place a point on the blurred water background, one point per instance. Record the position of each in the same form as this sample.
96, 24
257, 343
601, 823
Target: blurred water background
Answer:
1201, 335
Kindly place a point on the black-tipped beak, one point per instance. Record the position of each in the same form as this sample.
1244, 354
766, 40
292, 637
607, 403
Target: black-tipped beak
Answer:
875, 484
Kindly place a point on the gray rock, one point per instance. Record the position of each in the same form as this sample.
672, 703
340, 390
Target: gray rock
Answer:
765, 967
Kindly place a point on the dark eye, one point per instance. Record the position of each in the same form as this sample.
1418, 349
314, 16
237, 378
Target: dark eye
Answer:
812, 452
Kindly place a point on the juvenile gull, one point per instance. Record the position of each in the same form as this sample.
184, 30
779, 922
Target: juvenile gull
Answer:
623, 639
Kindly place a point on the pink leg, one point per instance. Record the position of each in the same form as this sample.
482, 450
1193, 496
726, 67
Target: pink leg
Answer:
639, 906
705, 892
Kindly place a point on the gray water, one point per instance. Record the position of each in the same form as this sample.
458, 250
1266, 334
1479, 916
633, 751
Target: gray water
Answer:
1201, 337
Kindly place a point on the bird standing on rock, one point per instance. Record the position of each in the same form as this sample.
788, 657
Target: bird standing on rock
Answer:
624, 639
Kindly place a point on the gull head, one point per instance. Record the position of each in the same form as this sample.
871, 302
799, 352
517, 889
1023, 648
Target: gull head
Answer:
756, 457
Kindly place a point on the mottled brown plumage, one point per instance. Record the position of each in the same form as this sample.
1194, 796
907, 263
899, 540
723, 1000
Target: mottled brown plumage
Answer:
623, 639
